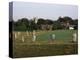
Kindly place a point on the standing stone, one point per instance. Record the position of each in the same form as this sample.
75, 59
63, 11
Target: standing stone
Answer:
34, 36
74, 37
18, 33
22, 38
53, 36
15, 35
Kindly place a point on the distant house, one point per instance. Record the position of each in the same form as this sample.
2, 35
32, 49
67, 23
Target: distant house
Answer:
66, 25
46, 27
71, 27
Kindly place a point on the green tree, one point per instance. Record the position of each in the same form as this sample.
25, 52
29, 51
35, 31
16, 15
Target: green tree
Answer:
21, 25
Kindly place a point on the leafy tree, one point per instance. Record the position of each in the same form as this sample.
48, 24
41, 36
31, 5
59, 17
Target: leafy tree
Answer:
24, 24
57, 25
41, 21
48, 21
21, 25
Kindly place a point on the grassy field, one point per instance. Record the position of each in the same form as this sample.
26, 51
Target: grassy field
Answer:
62, 44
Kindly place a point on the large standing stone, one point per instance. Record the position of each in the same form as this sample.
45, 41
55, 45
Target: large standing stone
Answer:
22, 38
34, 36
52, 36
18, 33
15, 35
74, 37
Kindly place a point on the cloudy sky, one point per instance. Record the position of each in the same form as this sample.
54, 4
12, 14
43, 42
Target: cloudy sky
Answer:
43, 10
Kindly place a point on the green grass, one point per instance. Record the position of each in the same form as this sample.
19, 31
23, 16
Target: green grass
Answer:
61, 35
62, 45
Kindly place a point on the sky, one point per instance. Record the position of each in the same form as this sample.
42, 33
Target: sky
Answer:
43, 10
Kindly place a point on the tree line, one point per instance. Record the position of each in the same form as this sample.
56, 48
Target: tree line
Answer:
25, 24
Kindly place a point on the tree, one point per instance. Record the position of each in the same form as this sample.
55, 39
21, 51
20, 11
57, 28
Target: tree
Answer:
48, 21
21, 24
57, 25
65, 21
75, 22
41, 21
